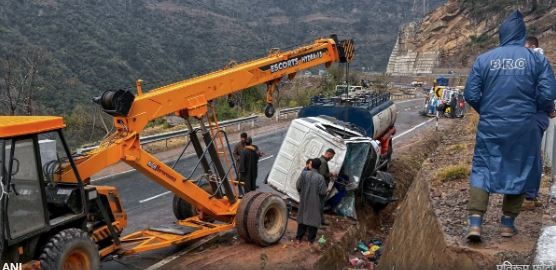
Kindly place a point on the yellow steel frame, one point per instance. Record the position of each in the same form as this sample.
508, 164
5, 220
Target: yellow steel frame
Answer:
148, 240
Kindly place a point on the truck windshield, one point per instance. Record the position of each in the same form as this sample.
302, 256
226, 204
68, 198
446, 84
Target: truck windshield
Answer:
354, 162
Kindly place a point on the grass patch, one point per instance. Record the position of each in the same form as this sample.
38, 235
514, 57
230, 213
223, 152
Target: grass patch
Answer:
453, 172
457, 147
471, 126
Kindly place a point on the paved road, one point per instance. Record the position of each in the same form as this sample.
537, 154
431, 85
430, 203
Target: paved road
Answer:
148, 204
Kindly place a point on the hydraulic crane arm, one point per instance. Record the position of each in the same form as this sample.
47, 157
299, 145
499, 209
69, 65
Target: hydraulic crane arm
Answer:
190, 98
193, 94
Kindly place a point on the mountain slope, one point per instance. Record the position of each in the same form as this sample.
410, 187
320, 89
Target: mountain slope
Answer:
97, 44
462, 29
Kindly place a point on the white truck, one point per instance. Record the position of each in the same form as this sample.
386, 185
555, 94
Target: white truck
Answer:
360, 134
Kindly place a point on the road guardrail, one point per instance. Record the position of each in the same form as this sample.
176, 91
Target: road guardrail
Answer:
172, 134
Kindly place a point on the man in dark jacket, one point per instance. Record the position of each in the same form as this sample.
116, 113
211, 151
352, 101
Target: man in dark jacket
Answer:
542, 120
324, 170
248, 165
507, 86
239, 146
453, 105
311, 187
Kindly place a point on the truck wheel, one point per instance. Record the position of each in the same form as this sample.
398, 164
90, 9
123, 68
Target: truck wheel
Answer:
68, 250
182, 209
267, 219
241, 214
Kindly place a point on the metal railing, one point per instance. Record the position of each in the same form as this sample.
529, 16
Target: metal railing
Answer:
286, 112
177, 133
182, 132
402, 96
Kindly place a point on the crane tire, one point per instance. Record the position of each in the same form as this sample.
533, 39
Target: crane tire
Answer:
241, 214
70, 249
267, 219
182, 209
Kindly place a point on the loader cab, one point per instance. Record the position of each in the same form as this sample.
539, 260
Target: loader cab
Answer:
33, 205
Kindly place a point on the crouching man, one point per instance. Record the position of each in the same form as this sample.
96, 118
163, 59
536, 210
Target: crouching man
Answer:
311, 186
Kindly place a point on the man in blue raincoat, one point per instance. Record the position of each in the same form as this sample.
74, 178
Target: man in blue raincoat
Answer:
507, 86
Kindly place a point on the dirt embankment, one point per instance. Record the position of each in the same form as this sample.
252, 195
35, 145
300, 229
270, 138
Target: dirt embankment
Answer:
429, 229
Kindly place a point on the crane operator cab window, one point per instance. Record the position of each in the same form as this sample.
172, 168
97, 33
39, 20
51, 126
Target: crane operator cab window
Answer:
21, 187
33, 196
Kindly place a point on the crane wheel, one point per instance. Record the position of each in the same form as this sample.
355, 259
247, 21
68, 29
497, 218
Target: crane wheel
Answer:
241, 214
183, 209
267, 219
70, 249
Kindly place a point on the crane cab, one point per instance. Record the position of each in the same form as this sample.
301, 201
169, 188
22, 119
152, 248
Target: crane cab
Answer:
42, 221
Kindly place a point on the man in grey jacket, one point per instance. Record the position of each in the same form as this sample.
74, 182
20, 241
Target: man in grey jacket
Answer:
311, 186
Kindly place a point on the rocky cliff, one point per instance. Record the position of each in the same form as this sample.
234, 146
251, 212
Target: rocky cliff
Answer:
451, 36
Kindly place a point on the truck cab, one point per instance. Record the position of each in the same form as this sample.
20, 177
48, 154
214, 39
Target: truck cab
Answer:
361, 135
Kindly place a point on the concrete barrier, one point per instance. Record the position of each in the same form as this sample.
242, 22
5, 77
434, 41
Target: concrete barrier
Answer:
546, 245
548, 144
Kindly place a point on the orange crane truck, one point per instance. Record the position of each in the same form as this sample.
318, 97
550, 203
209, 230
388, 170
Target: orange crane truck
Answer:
52, 217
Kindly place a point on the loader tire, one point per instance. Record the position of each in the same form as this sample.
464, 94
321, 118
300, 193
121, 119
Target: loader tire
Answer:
241, 214
182, 209
267, 219
70, 249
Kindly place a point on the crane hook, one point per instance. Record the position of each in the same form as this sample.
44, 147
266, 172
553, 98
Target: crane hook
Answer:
269, 110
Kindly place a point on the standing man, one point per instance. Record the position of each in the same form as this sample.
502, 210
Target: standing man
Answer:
249, 165
453, 105
239, 146
542, 120
533, 43
324, 170
311, 188
506, 86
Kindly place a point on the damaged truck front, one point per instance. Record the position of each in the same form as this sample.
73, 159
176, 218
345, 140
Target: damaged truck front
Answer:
360, 132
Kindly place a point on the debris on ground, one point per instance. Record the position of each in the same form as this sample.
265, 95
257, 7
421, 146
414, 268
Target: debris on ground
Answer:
365, 255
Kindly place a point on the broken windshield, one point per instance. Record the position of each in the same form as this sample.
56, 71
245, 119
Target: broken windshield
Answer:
354, 162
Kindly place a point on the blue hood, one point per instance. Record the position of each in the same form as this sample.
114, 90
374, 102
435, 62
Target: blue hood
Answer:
512, 31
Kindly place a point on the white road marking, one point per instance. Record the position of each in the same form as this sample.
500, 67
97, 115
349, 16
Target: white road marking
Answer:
154, 197
263, 159
412, 129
